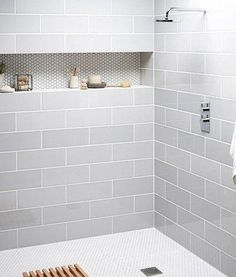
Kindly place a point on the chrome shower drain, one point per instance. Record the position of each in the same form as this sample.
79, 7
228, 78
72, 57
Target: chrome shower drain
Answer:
151, 271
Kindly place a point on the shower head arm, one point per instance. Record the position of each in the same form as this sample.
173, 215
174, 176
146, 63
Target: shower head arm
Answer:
176, 9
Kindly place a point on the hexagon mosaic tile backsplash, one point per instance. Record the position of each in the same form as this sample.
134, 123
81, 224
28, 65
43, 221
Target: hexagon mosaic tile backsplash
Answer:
52, 70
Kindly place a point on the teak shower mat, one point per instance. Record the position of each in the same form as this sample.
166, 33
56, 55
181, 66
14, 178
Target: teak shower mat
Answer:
64, 271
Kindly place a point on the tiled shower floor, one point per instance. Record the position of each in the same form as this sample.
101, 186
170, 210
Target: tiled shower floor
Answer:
117, 255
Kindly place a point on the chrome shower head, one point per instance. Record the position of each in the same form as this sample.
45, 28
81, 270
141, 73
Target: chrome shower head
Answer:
164, 20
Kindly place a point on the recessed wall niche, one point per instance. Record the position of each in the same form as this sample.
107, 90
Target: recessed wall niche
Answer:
52, 70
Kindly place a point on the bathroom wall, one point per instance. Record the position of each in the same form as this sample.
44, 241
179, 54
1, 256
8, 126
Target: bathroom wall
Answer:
75, 164
195, 198
57, 26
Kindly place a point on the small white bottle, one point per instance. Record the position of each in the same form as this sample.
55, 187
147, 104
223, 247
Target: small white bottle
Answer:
74, 79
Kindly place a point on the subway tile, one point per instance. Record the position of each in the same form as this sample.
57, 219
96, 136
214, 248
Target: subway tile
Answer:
189, 23
42, 7
189, 102
143, 167
191, 222
160, 115
89, 191
166, 171
65, 213
218, 151
89, 228
166, 208
206, 42
160, 187
19, 24
228, 85
7, 201
41, 235
88, 117
8, 240
65, 175
85, 7
131, 222
101, 135
132, 43
223, 109
160, 151
91, 43
178, 119
165, 61
221, 21
20, 218
228, 265
146, 78
214, 65
136, 150
64, 24
159, 222
7, 161
191, 63
134, 186
166, 135
138, 114
159, 7
40, 120
112, 170
64, 100
205, 251
40, 43
7, 122
143, 96
221, 239
144, 131
228, 220
19, 102
227, 130
159, 79
143, 24
228, 42
163, 28
89, 154
8, 44
178, 81
111, 207
221, 196
110, 24
144, 203
166, 98
178, 196
41, 197
178, 157
7, 6
17, 180
205, 168
178, 234
191, 182
191, 143
205, 209
132, 7
65, 138
41, 158
206, 85
111, 97
178, 42
20, 141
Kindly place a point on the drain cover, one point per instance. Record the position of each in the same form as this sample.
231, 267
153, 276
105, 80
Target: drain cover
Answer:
151, 271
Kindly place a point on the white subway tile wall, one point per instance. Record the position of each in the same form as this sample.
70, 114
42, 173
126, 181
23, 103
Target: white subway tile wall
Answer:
194, 60
72, 166
76, 26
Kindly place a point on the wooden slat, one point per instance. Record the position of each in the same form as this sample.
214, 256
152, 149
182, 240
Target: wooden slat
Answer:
39, 273
67, 271
81, 270
32, 274
46, 273
75, 272
60, 272
53, 272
